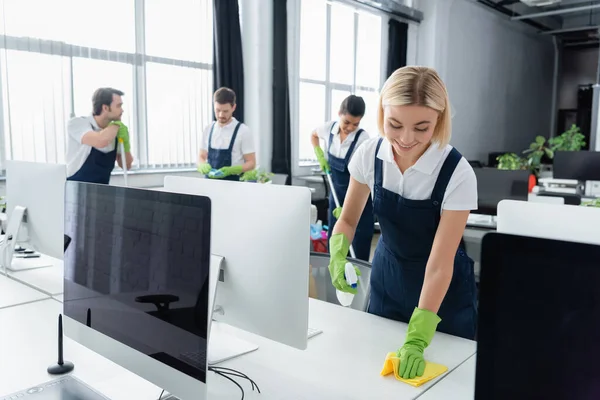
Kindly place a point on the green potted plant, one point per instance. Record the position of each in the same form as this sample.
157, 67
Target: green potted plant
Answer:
537, 151
256, 176
591, 203
541, 151
511, 161
571, 140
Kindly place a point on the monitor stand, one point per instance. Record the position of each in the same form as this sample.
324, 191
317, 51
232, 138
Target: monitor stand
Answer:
222, 345
7, 248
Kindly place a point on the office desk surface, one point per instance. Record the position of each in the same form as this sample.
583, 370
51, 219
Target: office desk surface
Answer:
13, 293
341, 363
457, 385
48, 280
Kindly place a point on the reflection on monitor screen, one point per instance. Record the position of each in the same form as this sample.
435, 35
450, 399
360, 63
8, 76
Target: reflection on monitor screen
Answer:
136, 270
539, 319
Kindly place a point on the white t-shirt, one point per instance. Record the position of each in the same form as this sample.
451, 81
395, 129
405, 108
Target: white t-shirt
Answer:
339, 149
77, 152
418, 181
221, 138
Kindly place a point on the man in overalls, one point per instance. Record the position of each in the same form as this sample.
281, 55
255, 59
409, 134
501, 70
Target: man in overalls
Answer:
227, 145
92, 140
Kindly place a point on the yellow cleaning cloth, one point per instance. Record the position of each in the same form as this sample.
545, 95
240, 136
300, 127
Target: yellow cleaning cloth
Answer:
392, 362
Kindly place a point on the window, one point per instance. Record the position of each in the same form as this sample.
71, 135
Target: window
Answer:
51, 61
178, 111
340, 54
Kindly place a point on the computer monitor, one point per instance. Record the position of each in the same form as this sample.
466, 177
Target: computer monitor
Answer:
550, 221
495, 185
263, 233
539, 319
578, 165
40, 188
137, 281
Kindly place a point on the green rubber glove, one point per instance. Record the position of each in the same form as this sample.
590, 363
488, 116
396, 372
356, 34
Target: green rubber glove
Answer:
204, 168
421, 329
234, 170
337, 212
338, 251
321, 158
123, 134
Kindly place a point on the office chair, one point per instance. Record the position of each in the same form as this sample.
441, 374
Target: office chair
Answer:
326, 291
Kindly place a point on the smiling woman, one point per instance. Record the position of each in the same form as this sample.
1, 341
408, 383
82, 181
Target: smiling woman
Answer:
422, 191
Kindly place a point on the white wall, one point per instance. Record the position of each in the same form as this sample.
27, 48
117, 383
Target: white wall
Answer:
578, 67
498, 73
256, 19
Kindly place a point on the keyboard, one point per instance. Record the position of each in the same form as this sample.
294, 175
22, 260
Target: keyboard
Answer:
313, 332
196, 359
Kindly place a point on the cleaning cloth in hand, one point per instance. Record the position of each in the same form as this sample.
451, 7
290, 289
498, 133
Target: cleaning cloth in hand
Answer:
392, 362
216, 173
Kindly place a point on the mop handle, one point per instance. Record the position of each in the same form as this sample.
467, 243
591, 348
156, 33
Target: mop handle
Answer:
123, 160
337, 204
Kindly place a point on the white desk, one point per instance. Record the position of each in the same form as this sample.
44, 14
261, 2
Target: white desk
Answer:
341, 363
457, 385
48, 280
13, 293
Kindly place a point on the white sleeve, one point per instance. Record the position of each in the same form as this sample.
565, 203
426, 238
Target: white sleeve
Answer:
78, 127
461, 193
323, 131
356, 167
247, 140
205, 135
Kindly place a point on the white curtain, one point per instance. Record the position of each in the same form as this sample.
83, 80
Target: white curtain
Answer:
54, 54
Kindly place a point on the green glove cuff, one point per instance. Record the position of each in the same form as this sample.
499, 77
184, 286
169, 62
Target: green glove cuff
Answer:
319, 153
338, 246
118, 123
421, 328
337, 212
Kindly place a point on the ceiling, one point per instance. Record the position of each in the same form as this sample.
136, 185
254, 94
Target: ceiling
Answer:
574, 22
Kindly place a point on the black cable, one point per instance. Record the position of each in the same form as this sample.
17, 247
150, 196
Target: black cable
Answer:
238, 374
227, 373
226, 377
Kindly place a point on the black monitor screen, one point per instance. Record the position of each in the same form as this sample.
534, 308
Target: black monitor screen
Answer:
495, 185
539, 319
137, 270
578, 165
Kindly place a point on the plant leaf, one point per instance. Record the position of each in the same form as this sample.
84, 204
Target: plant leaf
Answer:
540, 140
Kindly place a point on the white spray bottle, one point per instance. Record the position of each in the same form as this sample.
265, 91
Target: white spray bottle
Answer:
344, 298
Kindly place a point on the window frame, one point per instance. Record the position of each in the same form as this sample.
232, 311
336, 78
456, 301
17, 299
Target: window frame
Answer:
138, 99
305, 166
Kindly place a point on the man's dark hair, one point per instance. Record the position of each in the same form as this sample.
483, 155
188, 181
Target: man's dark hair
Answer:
353, 105
224, 95
103, 97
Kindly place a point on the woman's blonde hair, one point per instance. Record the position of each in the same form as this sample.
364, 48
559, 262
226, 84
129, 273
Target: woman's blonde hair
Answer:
418, 86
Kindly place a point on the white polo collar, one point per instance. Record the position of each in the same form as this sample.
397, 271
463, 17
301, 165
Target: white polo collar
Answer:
336, 130
233, 121
425, 164
93, 122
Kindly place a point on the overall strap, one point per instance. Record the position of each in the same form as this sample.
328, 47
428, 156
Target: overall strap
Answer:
353, 145
330, 137
378, 166
212, 128
235, 132
445, 174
